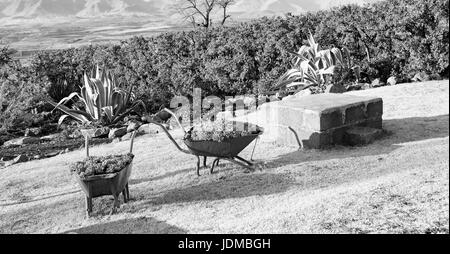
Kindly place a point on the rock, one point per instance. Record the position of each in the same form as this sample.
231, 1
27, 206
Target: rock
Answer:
117, 133
392, 81
377, 83
302, 93
355, 87
53, 154
420, 77
335, 88
21, 158
75, 134
33, 132
131, 118
149, 129
366, 86
50, 138
163, 115
435, 77
133, 125
21, 141
361, 135
101, 132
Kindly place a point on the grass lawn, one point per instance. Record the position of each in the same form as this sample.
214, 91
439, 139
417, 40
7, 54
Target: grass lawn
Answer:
399, 184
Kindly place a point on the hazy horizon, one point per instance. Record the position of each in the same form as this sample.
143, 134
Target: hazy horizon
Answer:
29, 25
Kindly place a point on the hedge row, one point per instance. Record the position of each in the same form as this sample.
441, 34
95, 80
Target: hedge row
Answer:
397, 37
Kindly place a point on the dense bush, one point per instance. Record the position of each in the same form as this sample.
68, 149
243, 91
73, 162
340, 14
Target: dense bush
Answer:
22, 98
397, 37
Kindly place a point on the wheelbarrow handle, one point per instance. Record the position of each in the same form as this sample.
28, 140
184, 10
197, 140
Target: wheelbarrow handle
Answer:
176, 119
170, 136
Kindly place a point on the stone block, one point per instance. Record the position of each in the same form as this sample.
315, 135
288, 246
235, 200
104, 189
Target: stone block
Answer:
355, 114
374, 109
317, 120
361, 135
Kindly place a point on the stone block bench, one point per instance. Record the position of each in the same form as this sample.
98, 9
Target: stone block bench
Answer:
318, 121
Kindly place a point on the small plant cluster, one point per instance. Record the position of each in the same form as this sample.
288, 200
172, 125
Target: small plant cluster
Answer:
101, 165
220, 130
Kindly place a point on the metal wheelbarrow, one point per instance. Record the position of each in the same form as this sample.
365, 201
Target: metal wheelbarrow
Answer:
228, 149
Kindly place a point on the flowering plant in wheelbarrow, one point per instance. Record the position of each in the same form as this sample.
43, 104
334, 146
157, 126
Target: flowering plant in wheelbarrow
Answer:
221, 130
101, 165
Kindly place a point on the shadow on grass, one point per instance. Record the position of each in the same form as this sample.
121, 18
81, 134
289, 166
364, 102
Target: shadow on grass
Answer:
142, 225
398, 131
239, 186
203, 171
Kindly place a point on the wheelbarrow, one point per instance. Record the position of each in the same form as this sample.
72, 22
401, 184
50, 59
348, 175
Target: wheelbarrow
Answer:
108, 184
227, 149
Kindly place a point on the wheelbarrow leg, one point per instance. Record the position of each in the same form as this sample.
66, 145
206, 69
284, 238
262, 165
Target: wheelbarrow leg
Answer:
116, 204
127, 190
242, 159
198, 166
216, 161
204, 161
88, 206
247, 166
124, 194
254, 148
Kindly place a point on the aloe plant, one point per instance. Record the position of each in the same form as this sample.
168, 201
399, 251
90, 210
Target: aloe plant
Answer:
104, 103
312, 66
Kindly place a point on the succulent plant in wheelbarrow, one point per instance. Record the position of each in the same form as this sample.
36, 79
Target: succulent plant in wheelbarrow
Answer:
104, 104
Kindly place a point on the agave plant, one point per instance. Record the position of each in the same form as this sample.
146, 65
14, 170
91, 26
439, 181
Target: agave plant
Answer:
312, 66
103, 102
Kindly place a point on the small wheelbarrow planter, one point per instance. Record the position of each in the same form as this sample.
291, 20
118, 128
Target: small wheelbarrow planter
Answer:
106, 184
228, 149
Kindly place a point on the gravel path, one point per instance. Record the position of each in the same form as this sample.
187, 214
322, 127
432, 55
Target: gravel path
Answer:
399, 184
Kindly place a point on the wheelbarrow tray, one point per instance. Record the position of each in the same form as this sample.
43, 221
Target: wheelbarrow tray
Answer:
108, 184
228, 148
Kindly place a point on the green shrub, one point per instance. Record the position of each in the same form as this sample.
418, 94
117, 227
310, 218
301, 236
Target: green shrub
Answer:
22, 98
397, 37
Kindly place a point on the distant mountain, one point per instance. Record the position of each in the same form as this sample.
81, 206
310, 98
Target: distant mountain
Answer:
41, 9
78, 8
